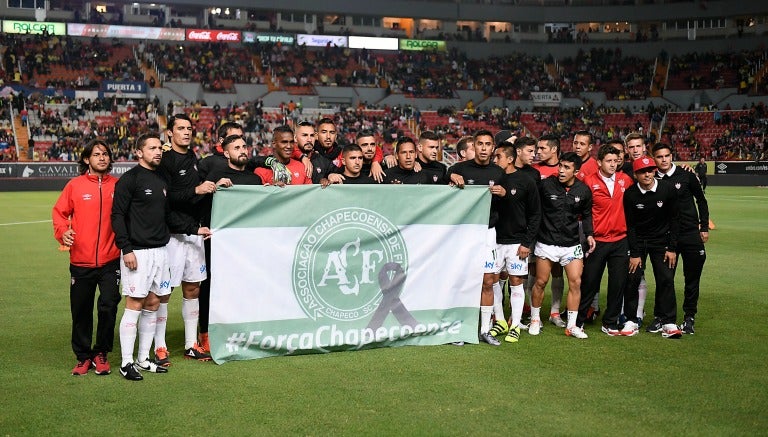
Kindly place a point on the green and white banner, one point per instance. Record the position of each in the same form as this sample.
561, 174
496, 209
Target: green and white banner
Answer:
302, 269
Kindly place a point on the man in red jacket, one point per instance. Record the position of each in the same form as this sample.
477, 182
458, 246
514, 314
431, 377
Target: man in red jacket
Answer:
81, 221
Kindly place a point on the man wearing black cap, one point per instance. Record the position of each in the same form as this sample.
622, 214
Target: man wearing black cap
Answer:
652, 214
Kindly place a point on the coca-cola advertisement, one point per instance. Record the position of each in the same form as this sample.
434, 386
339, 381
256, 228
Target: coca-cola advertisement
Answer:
207, 35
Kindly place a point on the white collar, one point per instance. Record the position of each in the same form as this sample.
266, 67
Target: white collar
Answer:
653, 188
670, 172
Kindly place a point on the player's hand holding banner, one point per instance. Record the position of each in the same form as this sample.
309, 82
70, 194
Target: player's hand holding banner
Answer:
304, 270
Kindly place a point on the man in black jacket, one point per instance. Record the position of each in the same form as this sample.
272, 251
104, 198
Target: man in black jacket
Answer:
403, 172
187, 197
481, 171
694, 227
139, 214
519, 219
564, 199
652, 214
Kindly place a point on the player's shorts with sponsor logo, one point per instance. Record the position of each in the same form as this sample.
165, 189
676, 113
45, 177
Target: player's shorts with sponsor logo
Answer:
491, 264
559, 254
187, 259
507, 259
152, 274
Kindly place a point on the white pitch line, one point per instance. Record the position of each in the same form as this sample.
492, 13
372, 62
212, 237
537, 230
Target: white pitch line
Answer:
25, 223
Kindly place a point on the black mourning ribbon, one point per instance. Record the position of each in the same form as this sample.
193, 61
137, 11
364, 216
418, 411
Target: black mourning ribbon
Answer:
390, 300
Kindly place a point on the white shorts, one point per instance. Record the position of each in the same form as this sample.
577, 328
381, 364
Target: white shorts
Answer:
187, 259
507, 259
151, 274
491, 264
559, 254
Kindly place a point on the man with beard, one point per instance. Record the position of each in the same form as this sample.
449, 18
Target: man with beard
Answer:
327, 147
217, 161
426, 159
481, 171
283, 145
139, 218
306, 138
403, 173
465, 149
236, 153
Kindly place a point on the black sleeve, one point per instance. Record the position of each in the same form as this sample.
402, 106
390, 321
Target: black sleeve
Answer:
533, 205
634, 250
701, 203
674, 217
586, 214
204, 168
121, 205
256, 162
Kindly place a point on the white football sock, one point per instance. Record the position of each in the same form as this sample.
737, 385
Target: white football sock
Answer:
160, 326
571, 319
536, 313
485, 318
147, 325
190, 312
498, 301
642, 292
128, 334
516, 301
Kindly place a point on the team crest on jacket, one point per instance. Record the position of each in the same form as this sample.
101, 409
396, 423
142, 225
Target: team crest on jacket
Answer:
513, 191
660, 203
434, 178
677, 185
319, 170
576, 199
621, 182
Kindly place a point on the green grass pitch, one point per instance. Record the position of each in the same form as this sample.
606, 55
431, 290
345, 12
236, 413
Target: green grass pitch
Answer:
711, 383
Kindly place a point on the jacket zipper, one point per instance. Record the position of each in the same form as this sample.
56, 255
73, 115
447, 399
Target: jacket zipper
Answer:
98, 236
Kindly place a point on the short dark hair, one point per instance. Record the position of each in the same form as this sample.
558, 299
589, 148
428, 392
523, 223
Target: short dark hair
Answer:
364, 133
326, 120
403, 140
552, 141
231, 139
142, 139
88, 151
351, 148
571, 157
509, 150
429, 135
659, 146
481, 133
284, 129
226, 127
524, 141
463, 145
180, 116
585, 133
607, 149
